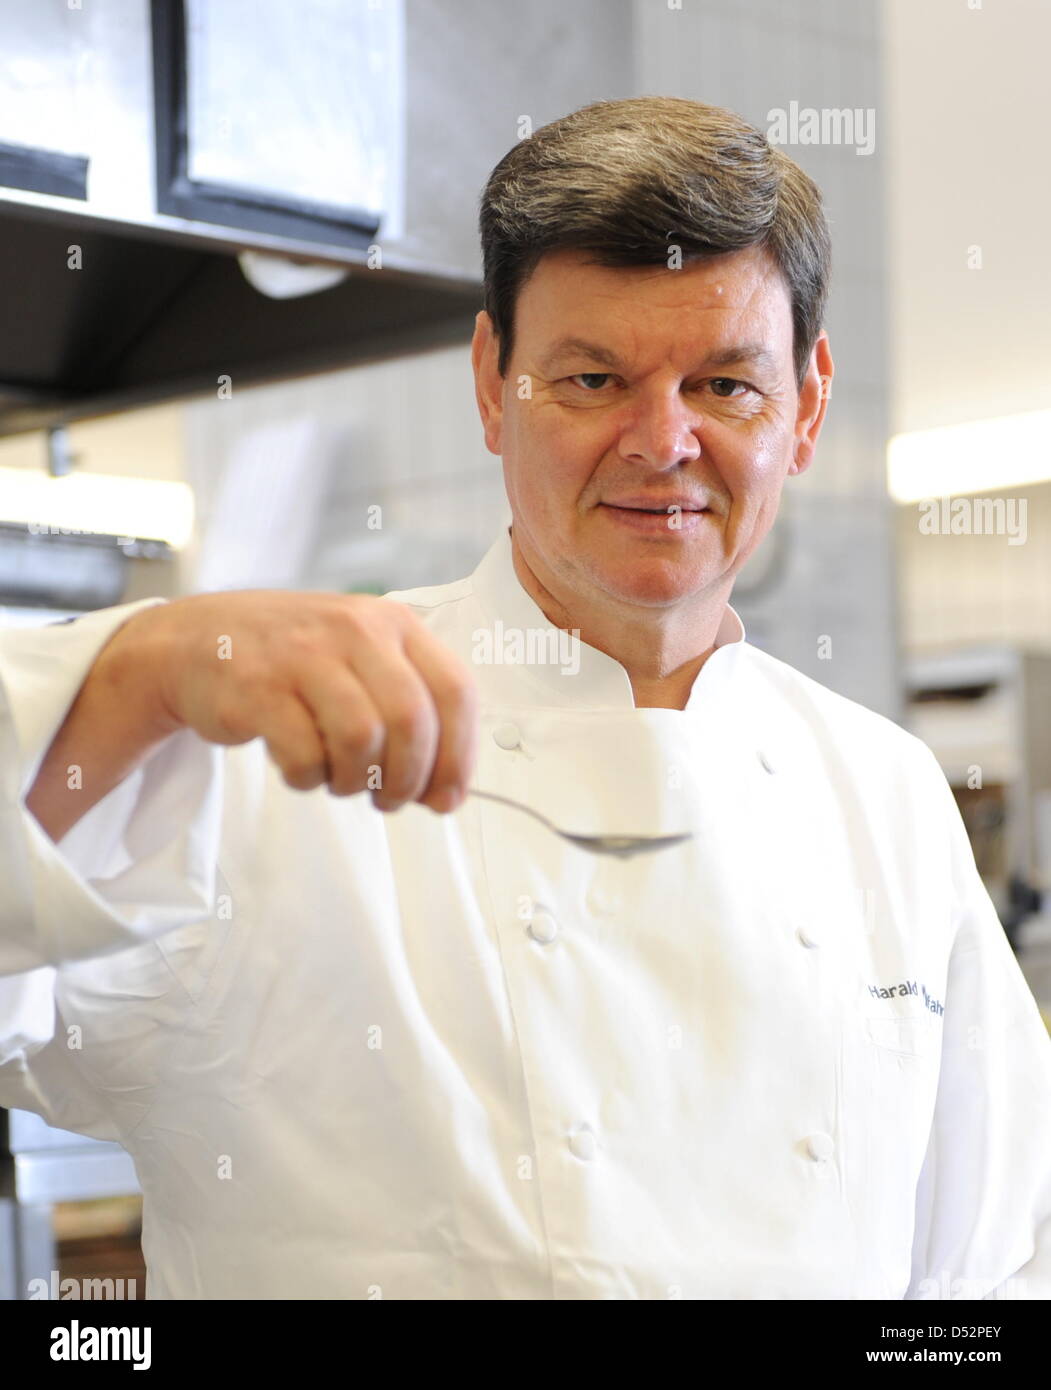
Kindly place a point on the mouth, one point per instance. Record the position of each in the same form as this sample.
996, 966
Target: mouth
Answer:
653, 511
668, 524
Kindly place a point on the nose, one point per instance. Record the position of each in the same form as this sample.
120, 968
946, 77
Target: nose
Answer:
660, 430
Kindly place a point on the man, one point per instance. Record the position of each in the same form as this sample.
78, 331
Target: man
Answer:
439, 1056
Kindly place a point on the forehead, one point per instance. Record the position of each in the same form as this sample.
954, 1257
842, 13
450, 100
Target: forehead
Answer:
568, 294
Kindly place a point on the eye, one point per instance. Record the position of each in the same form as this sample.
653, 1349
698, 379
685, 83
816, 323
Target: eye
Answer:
727, 381
591, 377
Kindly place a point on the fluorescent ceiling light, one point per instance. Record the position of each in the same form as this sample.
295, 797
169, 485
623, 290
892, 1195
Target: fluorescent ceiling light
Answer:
98, 503
982, 456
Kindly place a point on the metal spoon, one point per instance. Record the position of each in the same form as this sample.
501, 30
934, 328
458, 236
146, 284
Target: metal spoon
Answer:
623, 846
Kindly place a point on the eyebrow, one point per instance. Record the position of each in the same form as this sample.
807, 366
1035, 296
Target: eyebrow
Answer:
740, 353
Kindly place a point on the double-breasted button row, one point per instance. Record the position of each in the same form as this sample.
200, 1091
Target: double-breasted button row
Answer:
543, 928
583, 1144
820, 1147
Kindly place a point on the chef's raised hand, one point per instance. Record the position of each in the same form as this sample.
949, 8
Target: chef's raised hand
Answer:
347, 690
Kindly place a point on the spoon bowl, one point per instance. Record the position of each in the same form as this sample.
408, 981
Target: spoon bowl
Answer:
620, 846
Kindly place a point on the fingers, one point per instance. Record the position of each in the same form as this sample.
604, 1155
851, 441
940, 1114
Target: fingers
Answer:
359, 697
453, 690
294, 742
353, 729
402, 702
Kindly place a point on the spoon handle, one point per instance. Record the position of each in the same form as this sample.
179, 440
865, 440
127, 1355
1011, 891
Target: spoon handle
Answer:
506, 801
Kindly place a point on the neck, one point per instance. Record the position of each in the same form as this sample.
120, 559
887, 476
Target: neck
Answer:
662, 657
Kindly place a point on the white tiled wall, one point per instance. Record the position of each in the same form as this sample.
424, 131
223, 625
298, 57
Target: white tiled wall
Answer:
403, 436
961, 590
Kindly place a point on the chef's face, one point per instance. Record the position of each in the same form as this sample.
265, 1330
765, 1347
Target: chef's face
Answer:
648, 387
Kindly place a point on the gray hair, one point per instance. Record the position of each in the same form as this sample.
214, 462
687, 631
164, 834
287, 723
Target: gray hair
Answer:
626, 180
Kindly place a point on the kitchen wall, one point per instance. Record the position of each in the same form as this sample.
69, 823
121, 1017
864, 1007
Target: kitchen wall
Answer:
967, 100
959, 590
970, 301
288, 478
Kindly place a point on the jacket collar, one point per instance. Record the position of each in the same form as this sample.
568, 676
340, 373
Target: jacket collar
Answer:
569, 672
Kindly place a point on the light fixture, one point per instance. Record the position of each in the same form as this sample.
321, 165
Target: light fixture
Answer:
86, 504
980, 456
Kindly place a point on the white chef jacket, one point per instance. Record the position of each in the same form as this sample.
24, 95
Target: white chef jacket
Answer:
362, 1055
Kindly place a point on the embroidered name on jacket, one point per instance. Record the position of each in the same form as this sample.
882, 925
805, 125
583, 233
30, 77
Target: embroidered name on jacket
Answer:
908, 987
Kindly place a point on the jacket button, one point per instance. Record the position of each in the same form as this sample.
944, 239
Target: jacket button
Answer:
543, 928
583, 1145
507, 736
808, 936
820, 1147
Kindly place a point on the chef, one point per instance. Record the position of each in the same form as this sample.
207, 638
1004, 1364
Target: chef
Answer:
367, 1036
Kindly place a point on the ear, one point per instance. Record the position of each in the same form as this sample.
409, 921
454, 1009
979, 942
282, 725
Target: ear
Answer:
813, 402
488, 383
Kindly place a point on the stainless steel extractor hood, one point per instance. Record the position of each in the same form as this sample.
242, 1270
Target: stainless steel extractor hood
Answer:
144, 147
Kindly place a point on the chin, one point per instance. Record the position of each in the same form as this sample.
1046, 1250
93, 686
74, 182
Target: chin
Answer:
654, 584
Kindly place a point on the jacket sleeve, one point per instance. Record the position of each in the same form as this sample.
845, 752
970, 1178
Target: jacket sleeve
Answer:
983, 1209
79, 920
